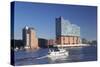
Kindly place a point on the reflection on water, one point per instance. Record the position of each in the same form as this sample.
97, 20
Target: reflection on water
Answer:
40, 56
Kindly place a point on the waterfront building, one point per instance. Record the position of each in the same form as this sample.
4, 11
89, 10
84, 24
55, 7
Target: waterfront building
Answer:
51, 42
30, 39
67, 33
42, 42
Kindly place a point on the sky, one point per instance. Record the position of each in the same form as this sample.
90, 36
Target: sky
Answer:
42, 17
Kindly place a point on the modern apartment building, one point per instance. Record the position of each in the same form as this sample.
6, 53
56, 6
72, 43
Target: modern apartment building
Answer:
29, 38
66, 33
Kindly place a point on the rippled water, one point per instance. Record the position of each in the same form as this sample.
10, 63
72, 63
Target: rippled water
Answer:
39, 56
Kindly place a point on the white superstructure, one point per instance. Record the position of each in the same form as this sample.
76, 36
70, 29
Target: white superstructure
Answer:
61, 53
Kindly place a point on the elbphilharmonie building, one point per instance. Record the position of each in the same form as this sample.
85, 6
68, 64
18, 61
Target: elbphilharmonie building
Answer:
67, 33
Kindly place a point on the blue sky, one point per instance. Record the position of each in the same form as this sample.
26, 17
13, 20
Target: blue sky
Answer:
42, 18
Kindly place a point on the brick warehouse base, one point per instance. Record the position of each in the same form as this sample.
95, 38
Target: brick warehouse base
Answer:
67, 40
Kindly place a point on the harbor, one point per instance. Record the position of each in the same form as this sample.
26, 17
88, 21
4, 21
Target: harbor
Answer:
24, 57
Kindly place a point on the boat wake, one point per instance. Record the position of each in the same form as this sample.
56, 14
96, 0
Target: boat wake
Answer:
42, 57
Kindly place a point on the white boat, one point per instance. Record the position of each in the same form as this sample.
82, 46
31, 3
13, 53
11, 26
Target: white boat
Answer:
61, 53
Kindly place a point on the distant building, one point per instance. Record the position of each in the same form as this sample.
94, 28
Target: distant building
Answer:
29, 38
42, 42
17, 44
51, 42
67, 33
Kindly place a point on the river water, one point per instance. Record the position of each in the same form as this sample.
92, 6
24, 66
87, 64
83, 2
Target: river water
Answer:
77, 54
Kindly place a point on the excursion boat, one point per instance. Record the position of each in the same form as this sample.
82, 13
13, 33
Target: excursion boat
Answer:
58, 54
54, 54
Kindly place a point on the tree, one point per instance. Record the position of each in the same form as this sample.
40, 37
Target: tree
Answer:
84, 41
94, 42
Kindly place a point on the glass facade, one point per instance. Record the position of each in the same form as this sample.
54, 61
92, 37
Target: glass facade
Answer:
67, 33
65, 28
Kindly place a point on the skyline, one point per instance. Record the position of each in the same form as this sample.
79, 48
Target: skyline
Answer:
37, 14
